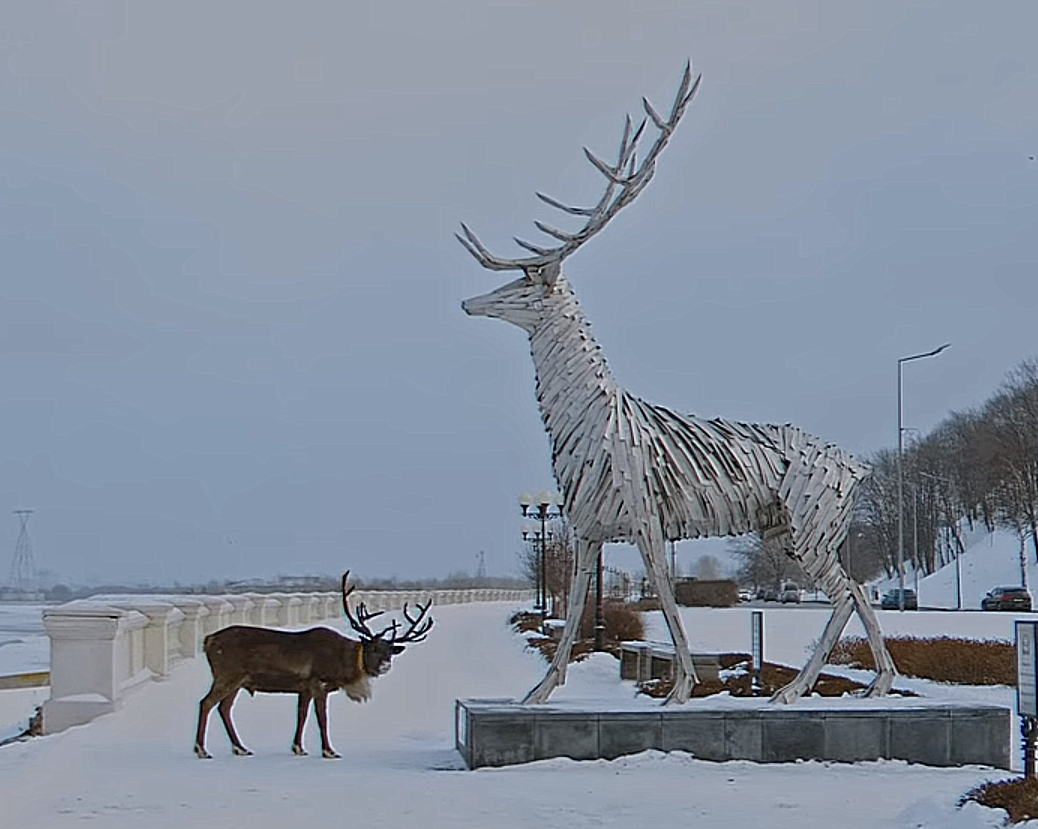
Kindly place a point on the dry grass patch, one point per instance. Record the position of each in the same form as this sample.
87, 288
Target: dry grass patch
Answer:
1019, 797
943, 659
737, 680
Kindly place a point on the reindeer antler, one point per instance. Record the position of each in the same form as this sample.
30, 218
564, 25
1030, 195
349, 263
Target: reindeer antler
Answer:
627, 176
416, 632
360, 622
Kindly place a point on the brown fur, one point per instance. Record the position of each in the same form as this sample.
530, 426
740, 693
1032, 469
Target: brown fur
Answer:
311, 663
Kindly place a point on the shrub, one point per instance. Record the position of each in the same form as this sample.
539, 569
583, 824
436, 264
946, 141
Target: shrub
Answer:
944, 659
622, 622
704, 593
1019, 797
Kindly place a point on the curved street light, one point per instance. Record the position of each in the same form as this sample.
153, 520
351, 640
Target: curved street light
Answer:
900, 477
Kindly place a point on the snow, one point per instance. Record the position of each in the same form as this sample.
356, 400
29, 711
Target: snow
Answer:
23, 645
134, 768
990, 560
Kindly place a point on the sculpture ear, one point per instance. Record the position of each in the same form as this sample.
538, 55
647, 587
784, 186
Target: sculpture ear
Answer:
548, 274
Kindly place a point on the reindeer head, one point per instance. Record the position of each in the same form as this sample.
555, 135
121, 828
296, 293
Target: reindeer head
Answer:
378, 649
522, 301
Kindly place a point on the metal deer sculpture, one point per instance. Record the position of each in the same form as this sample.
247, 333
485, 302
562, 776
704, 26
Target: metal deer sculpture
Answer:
632, 471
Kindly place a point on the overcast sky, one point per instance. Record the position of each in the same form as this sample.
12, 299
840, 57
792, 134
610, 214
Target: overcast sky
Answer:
231, 341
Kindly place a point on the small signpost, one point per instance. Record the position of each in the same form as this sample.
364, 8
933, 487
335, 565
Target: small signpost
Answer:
757, 647
1027, 689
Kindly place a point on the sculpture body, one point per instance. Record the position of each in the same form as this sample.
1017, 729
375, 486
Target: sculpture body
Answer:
631, 471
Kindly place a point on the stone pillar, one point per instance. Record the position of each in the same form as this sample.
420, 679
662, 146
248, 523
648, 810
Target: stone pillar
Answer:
90, 663
242, 604
161, 644
220, 611
192, 628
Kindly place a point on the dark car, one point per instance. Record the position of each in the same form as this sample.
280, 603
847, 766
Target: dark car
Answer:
892, 600
1006, 598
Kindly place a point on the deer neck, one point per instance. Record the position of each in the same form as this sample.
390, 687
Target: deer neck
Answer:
574, 384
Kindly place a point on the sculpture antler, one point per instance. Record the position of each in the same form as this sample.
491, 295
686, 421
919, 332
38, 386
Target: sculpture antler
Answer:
626, 179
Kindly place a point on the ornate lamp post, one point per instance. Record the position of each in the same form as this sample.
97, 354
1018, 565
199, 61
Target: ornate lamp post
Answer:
541, 505
901, 478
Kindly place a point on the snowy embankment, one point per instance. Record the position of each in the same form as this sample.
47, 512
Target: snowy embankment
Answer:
990, 560
135, 768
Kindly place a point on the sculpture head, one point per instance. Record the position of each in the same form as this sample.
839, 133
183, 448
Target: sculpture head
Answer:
522, 301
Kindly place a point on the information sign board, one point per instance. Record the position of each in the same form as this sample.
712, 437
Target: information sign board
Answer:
1027, 669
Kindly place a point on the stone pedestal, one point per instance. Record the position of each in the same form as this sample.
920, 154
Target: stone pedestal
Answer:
503, 732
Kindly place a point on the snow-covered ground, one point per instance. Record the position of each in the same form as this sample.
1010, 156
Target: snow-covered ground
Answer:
135, 768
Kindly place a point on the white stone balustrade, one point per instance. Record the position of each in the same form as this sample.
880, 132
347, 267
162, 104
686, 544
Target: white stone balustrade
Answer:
100, 649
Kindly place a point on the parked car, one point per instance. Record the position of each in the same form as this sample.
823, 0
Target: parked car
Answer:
790, 593
771, 595
892, 600
745, 595
1006, 598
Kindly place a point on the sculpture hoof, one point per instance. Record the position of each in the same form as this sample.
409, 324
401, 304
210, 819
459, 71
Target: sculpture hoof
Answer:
330, 754
879, 687
241, 751
298, 751
787, 695
201, 753
542, 690
680, 693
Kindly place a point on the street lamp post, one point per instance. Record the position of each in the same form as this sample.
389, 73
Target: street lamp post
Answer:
900, 477
543, 504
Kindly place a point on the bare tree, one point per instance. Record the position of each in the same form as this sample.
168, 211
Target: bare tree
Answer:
707, 567
1012, 417
764, 563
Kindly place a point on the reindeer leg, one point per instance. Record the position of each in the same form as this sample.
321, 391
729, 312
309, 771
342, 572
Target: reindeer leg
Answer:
321, 709
885, 668
301, 709
587, 557
204, 707
225, 715
217, 692
654, 556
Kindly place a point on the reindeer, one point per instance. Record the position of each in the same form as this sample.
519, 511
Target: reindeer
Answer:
309, 663
635, 472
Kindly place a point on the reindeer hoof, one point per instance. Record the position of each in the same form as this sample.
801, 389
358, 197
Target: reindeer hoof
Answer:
298, 751
330, 754
201, 753
241, 751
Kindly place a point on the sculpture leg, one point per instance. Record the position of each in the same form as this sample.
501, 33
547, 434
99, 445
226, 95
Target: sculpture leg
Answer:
587, 558
885, 668
808, 676
654, 556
